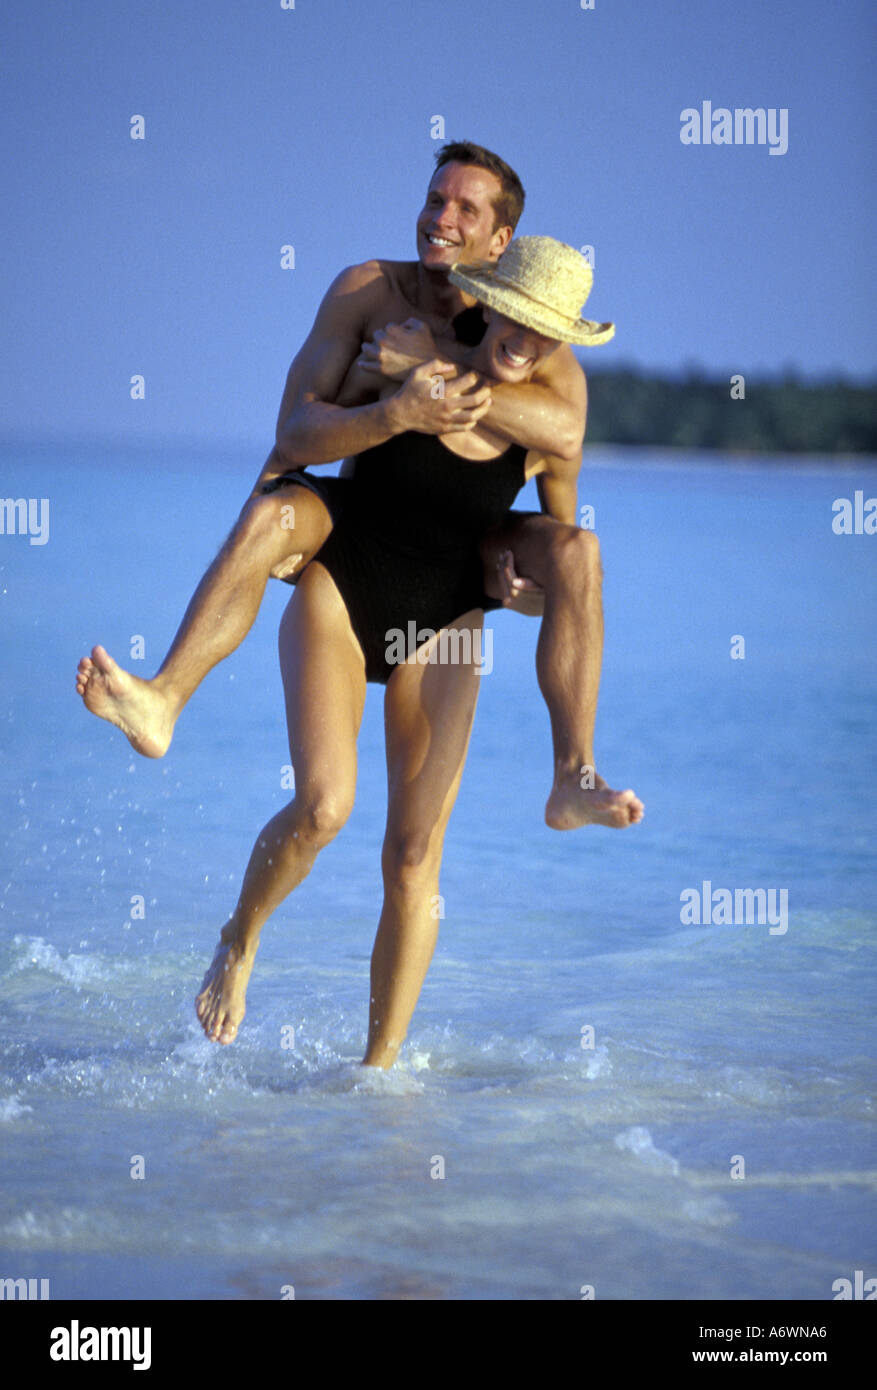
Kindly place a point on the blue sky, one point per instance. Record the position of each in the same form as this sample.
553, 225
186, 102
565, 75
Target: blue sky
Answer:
312, 127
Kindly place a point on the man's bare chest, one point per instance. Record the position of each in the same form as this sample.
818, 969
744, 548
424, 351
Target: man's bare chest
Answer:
395, 307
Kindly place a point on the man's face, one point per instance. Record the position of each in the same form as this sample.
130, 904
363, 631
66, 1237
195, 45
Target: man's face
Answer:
457, 221
513, 352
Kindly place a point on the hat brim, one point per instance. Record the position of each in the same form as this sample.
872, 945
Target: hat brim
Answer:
521, 309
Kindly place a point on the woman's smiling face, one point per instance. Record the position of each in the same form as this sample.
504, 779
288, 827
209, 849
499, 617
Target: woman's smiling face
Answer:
511, 352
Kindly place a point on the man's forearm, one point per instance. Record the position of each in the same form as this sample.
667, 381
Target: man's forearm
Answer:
317, 432
274, 466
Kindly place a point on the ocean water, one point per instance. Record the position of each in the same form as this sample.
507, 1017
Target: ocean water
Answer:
596, 1091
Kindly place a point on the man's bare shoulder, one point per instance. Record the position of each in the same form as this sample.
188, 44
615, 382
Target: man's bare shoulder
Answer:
378, 279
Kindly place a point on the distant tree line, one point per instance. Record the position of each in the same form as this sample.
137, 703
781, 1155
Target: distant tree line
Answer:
832, 417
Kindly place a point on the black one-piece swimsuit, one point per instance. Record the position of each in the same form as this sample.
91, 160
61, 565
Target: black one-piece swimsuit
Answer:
404, 551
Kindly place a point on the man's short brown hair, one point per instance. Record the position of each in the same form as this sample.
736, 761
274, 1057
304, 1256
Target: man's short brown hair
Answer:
510, 203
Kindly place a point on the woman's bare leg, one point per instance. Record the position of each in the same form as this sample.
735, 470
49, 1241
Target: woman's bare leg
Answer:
428, 710
276, 533
324, 682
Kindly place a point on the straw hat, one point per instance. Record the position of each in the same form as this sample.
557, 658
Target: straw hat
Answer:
539, 282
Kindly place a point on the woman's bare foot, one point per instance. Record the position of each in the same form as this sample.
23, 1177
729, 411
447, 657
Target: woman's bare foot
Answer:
571, 804
134, 705
221, 1005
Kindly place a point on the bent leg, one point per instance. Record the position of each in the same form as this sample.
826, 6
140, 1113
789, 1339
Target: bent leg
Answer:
428, 713
324, 684
565, 562
218, 618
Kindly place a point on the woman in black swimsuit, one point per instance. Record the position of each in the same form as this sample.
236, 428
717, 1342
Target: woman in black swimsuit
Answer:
403, 559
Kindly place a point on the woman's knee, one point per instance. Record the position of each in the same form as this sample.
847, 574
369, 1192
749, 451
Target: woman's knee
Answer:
290, 519
260, 527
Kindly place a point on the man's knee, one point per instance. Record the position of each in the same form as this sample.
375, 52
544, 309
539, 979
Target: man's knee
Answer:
573, 553
408, 856
548, 550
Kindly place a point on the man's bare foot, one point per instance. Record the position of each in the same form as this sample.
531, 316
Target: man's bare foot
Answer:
132, 704
221, 1005
571, 804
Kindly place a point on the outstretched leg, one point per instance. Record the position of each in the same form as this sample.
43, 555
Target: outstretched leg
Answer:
276, 534
324, 683
428, 715
565, 562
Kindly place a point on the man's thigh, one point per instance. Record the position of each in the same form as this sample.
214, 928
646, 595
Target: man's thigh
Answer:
429, 707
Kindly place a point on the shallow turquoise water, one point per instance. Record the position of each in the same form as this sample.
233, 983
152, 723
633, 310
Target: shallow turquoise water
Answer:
569, 1157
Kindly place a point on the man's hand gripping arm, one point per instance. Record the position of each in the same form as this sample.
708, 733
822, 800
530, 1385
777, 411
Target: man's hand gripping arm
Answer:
546, 413
313, 428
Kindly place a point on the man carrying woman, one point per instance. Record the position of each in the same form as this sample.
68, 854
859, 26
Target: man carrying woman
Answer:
404, 554
541, 564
